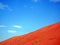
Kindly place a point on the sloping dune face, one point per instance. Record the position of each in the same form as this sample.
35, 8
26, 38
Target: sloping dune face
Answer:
49, 35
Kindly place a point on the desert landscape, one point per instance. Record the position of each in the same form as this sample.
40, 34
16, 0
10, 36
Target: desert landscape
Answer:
48, 35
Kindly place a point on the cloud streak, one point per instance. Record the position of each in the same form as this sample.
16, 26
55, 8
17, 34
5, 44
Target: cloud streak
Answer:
4, 6
35, 0
12, 31
2, 26
14, 26
55, 0
49, 0
17, 26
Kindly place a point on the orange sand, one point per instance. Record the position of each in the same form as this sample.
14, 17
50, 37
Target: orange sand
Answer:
49, 35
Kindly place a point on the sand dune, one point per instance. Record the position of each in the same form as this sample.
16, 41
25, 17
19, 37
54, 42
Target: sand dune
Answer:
49, 35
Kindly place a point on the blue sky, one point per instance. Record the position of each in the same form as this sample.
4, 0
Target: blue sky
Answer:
18, 17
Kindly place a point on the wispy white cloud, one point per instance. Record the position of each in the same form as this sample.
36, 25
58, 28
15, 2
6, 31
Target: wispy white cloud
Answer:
55, 0
14, 26
17, 26
35, 0
1, 26
4, 6
25, 5
12, 31
31, 7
